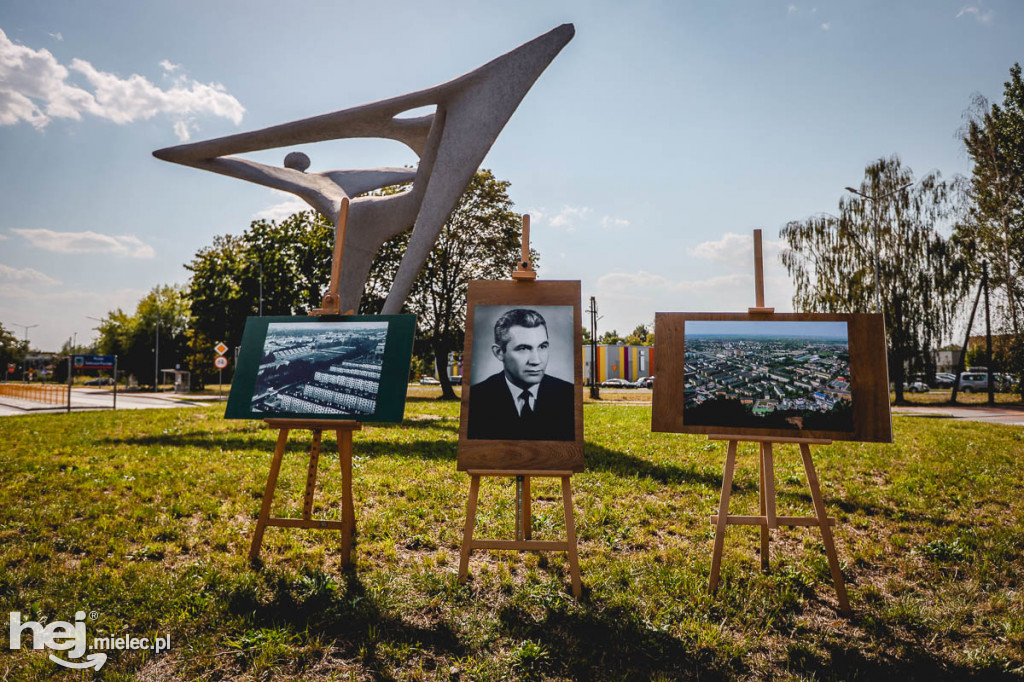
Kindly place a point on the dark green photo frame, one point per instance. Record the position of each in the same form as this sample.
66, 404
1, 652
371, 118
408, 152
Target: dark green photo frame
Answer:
304, 347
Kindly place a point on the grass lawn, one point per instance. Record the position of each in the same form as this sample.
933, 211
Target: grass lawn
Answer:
144, 517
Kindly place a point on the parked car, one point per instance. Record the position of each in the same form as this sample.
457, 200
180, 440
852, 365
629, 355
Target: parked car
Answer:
645, 382
916, 387
616, 383
974, 382
944, 380
455, 379
102, 381
429, 381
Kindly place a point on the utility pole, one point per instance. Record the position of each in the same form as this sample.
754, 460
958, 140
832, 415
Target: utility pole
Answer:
156, 359
595, 393
24, 361
988, 337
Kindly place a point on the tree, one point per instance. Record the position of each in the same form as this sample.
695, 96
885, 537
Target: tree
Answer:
994, 226
288, 262
641, 336
611, 338
163, 313
12, 351
922, 276
480, 240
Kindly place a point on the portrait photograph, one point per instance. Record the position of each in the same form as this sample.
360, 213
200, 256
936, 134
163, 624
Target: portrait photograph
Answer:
523, 374
354, 368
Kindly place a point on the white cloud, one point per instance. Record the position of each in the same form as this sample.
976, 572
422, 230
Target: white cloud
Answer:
36, 88
610, 223
826, 26
568, 218
9, 275
982, 16
792, 9
181, 131
58, 36
284, 209
3, 237
636, 282
169, 66
87, 242
735, 250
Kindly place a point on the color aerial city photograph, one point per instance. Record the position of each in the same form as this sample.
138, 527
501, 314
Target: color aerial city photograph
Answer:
320, 368
768, 374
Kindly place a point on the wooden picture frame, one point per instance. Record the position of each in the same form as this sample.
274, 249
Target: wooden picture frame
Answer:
868, 378
386, 383
498, 453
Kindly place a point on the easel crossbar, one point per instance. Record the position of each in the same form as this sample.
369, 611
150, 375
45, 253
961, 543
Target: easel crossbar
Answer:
735, 520
523, 541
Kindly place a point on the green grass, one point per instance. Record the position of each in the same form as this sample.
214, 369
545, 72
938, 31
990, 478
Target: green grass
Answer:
144, 517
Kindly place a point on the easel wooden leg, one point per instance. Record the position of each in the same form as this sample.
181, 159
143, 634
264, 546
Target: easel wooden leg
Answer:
570, 538
314, 464
723, 516
467, 535
268, 495
826, 529
765, 539
768, 502
527, 509
348, 511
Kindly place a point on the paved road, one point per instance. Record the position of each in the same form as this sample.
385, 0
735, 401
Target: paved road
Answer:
977, 413
101, 399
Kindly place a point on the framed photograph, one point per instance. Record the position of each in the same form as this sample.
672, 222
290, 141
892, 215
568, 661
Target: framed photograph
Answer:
780, 375
333, 367
522, 399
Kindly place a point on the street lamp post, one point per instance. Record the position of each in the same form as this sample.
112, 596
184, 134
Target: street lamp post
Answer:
874, 238
24, 362
260, 264
156, 359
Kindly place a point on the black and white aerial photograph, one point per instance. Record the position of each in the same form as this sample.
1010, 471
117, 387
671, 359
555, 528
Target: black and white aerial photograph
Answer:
330, 368
768, 374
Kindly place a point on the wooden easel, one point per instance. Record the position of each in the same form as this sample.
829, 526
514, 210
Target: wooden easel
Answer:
768, 519
524, 272
331, 305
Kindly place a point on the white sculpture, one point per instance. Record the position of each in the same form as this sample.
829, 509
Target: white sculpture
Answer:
451, 143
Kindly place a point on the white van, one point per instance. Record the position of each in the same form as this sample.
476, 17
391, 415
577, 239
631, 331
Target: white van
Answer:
971, 382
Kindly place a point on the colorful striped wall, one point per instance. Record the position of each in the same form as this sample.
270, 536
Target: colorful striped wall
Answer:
619, 362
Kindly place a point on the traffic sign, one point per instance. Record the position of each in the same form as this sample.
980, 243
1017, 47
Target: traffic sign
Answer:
221, 348
94, 362
220, 362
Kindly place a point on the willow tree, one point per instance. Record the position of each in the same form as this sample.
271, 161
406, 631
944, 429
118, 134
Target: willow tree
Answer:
994, 227
890, 230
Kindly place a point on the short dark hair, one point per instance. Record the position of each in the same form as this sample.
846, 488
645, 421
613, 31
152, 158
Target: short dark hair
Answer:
517, 317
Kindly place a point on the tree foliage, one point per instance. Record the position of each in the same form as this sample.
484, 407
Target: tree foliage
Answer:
994, 226
12, 350
480, 240
922, 276
291, 259
133, 336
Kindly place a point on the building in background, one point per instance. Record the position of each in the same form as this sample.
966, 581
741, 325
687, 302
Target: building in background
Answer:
619, 362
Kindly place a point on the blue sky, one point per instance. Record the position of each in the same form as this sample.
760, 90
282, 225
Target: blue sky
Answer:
652, 146
832, 330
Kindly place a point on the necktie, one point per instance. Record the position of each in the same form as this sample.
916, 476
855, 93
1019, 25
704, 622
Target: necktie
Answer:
527, 411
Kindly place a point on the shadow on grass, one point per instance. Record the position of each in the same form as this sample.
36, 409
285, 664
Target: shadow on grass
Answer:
611, 644
600, 458
913, 662
339, 609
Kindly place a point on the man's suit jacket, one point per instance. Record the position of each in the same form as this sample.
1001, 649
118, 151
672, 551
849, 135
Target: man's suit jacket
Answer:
493, 414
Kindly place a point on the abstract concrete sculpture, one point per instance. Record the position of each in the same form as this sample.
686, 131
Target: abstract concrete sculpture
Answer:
451, 143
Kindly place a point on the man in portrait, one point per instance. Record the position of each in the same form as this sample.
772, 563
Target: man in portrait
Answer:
522, 402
